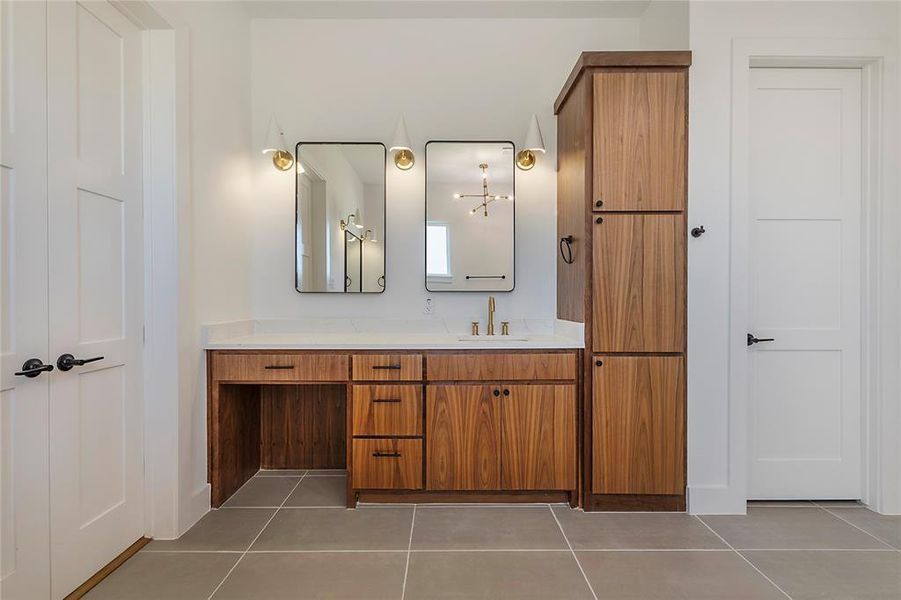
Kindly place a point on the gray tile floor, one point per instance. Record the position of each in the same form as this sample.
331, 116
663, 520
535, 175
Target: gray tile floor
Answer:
287, 535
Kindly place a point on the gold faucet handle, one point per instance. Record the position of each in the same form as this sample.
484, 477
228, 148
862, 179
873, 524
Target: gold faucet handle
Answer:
505, 327
475, 328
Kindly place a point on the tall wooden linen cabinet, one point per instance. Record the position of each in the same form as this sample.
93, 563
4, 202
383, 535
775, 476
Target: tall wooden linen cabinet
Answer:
622, 146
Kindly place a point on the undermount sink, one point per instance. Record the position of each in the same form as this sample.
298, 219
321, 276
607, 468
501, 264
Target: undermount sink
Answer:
492, 338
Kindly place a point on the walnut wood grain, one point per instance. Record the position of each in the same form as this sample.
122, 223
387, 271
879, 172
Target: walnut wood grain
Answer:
463, 437
590, 61
234, 438
573, 194
386, 463
387, 410
538, 437
639, 283
640, 134
639, 425
387, 367
273, 366
302, 426
501, 366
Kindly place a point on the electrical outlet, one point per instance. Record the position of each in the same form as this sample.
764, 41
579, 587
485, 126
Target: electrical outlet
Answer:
429, 307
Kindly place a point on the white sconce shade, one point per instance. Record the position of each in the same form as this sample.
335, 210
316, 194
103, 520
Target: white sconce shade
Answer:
401, 146
525, 158
275, 138
401, 139
534, 141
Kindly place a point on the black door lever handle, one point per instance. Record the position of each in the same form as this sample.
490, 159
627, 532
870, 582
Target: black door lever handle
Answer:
755, 340
33, 367
65, 362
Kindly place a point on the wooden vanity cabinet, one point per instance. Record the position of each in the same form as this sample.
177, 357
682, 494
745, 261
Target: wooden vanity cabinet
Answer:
622, 141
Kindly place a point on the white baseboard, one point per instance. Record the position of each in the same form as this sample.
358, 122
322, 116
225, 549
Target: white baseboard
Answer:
715, 500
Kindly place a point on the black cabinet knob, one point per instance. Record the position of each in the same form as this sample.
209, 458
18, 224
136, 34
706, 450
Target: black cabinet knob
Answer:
497, 392
506, 392
599, 363
599, 220
599, 203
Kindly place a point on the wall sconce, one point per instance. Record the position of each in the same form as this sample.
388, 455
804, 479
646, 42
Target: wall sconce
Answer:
403, 150
525, 158
350, 220
282, 159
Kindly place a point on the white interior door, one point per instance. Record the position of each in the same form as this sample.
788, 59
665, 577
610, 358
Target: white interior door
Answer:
24, 499
96, 287
805, 178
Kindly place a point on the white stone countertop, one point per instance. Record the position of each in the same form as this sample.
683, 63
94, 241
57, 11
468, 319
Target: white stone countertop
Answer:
399, 335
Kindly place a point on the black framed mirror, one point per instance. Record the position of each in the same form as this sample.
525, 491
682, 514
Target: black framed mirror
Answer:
339, 235
470, 216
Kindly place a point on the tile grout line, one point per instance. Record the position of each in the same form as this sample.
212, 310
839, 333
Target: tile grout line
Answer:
403, 592
254, 540
573, 552
743, 557
841, 518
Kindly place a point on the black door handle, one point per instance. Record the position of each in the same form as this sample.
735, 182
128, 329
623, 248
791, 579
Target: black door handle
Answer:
755, 340
65, 362
566, 249
33, 367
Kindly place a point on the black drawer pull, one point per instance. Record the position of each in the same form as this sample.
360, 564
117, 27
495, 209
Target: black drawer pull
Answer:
279, 367
385, 400
387, 367
386, 454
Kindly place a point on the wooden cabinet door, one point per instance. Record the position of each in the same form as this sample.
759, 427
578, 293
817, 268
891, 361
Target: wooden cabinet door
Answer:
638, 425
463, 437
640, 140
639, 283
538, 437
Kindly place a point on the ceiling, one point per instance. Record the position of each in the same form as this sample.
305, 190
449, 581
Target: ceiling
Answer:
458, 163
430, 9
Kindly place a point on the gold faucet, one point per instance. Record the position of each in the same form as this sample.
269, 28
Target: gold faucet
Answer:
490, 315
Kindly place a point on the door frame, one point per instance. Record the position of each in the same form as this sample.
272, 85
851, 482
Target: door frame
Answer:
879, 417
173, 373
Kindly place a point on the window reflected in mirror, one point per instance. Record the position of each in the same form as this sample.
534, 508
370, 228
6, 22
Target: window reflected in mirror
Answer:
340, 217
470, 196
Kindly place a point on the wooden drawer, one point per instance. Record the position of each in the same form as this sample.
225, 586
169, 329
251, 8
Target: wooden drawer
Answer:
387, 464
387, 410
387, 367
501, 367
270, 366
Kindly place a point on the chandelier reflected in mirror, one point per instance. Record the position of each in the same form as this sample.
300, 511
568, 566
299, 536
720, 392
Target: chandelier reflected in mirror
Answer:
485, 197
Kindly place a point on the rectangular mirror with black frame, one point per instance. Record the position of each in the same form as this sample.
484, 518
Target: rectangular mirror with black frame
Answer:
340, 217
470, 216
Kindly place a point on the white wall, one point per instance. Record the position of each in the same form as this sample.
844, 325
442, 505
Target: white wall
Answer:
664, 25
212, 154
348, 80
716, 482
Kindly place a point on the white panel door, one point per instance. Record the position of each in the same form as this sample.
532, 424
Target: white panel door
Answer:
805, 440
96, 287
24, 499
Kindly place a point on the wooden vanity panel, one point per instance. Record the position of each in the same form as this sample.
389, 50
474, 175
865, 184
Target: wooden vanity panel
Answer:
303, 426
573, 194
387, 367
501, 366
387, 410
638, 425
640, 139
234, 451
538, 437
639, 283
272, 366
387, 463
463, 438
